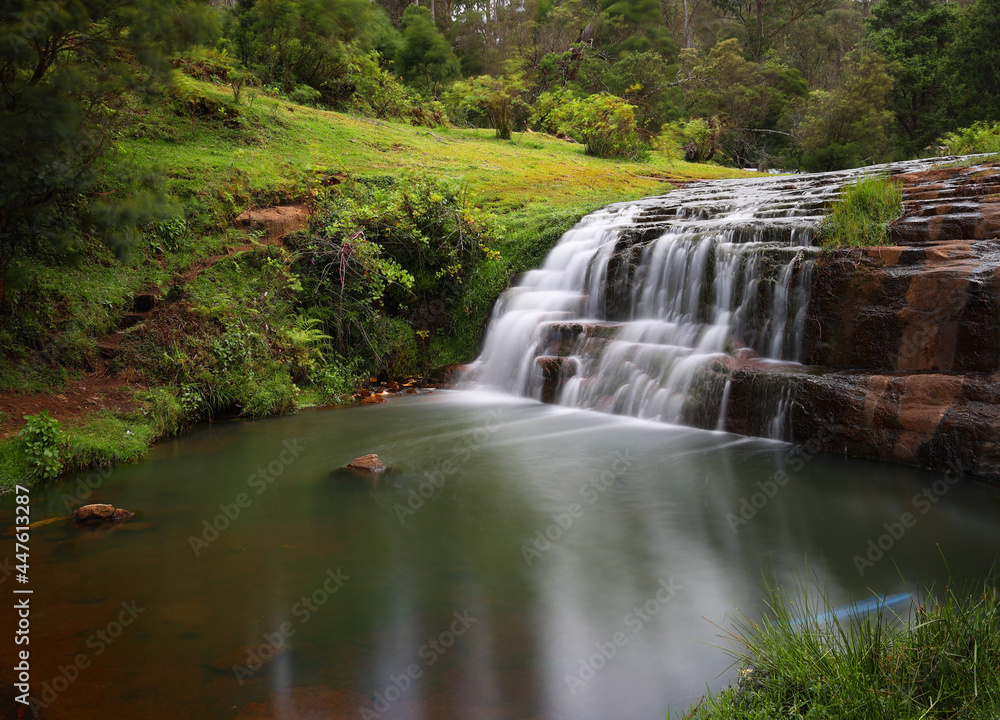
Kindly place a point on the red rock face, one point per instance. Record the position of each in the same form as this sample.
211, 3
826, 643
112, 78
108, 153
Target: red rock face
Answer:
906, 338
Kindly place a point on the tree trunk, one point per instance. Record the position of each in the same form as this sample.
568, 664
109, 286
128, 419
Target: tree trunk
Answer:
687, 28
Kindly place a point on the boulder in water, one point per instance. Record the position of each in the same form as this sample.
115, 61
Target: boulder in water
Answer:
367, 463
100, 513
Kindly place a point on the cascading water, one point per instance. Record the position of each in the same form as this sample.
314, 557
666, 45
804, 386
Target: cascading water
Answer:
646, 308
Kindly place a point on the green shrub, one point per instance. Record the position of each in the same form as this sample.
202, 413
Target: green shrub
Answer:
377, 92
862, 215
162, 407
605, 124
271, 395
386, 257
499, 100
44, 443
392, 347
544, 112
980, 137
696, 140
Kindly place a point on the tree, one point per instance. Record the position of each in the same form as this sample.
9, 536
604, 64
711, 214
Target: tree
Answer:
499, 99
914, 37
425, 56
644, 80
849, 126
975, 59
634, 26
748, 97
762, 22
303, 42
818, 45
64, 69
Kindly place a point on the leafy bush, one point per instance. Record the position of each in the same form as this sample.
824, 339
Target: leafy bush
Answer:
980, 137
605, 123
390, 249
544, 112
499, 100
205, 64
300, 346
862, 215
273, 394
376, 92
44, 444
696, 140
428, 113
305, 95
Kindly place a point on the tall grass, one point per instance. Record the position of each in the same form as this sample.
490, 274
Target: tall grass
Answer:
943, 661
862, 216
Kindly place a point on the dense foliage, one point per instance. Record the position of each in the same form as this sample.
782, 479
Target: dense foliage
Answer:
383, 260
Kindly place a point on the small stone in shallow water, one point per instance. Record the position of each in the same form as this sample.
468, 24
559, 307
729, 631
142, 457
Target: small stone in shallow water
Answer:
101, 512
367, 463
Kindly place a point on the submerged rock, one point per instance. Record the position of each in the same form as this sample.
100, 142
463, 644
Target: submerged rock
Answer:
367, 463
101, 512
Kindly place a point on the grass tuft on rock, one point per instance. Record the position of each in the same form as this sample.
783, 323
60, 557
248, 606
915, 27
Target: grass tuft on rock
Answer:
862, 215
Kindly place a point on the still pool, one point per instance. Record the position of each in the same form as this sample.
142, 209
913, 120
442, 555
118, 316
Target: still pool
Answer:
517, 560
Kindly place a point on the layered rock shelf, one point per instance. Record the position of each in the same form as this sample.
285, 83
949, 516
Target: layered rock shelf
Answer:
902, 343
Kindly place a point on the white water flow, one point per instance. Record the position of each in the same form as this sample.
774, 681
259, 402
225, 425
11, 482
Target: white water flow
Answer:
646, 308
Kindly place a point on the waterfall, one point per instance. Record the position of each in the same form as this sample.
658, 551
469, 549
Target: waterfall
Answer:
646, 308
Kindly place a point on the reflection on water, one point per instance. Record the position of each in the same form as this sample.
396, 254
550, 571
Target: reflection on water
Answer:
516, 561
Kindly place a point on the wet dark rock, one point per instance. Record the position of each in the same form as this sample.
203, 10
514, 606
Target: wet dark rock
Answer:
445, 376
555, 372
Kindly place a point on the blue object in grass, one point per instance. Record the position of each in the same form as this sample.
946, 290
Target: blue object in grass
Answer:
899, 601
